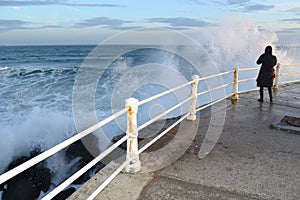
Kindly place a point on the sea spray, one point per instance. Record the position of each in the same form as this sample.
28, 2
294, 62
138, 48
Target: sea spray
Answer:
238, 42
40, 128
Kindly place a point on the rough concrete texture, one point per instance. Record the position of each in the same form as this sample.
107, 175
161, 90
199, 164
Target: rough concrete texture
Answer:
251, 160
125, 186
187, 190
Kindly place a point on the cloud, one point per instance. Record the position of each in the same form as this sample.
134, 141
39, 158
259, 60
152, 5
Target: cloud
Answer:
294, 10
53, 3
99, 21
11, 24
246, 5
50, 26
124, 28
199, 2
180, 22
257, 7
292, 20
219, 2
237, 2
109, 23
289, 30
105, 22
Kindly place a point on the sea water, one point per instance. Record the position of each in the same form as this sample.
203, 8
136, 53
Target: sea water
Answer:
37, 87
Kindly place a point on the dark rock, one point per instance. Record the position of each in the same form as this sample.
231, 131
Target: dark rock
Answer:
28, 184
64, 194
21, 189
77, 149
117, 138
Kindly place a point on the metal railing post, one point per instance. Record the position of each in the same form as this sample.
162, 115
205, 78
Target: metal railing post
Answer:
193, 105
235, 95
132, 141
276, 83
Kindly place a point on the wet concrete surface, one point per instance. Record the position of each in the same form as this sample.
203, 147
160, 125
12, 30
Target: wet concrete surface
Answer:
251, 160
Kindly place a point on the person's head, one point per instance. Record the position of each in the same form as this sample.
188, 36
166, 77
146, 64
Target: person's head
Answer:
268, 50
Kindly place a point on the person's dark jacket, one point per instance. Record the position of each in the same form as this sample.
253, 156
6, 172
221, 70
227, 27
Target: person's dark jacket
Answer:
266, 72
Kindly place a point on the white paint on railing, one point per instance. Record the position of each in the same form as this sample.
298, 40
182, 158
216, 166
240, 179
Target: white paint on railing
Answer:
163, 114
163, 133
202, 93
134, 165
15, 171
292, 81
248, 69
289, 65
248, 79
285, 74
289, 73
215, 75
216, 88
235, 95
276, 82
70, 180
214, 102
108, 180
164, 93
193, 104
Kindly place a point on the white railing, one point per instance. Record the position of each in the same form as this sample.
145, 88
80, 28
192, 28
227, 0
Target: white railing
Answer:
132, 163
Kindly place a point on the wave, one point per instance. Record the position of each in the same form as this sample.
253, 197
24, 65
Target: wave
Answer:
33, 130
23, 72
4, 68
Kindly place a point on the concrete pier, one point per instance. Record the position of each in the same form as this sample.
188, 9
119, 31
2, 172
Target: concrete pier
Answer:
251, 160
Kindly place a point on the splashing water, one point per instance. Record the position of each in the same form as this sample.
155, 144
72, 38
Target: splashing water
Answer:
238, 43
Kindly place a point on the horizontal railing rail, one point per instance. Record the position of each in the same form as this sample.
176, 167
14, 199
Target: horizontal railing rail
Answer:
162, 134
132, 163
164, 93
163, 114
72, 178
15, 171
288, 73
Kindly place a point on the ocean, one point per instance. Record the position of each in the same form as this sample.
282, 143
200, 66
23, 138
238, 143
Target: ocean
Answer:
37, 90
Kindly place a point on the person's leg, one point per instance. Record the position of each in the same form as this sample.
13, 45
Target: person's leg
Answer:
261, 93
270, 94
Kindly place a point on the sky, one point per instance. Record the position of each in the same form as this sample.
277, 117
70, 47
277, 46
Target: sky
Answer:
44, 22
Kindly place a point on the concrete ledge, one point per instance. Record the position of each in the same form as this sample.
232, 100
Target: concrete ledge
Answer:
90, 186
124, 186
286, 127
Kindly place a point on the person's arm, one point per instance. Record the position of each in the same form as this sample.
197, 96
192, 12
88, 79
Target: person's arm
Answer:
259, 60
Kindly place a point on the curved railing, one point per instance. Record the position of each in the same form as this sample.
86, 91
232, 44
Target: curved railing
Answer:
132, 162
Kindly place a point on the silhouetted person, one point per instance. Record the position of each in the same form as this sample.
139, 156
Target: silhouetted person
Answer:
266, 72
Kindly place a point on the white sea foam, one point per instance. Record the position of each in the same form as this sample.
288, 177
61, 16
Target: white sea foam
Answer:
4, 68
39, 128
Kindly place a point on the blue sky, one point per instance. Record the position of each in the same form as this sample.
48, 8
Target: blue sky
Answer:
25, 22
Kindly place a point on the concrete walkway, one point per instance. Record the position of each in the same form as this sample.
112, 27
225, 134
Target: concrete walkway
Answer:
250, 161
